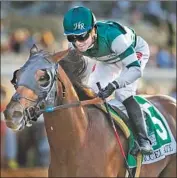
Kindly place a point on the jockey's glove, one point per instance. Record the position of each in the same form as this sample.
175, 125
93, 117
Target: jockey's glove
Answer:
108, 90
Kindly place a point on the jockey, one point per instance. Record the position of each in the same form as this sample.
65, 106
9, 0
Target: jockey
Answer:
120, 57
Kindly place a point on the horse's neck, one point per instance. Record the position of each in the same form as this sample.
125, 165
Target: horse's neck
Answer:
77, 115
71, 123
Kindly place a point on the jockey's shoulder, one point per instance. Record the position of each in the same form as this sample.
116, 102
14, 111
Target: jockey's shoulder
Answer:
110, 29
107, 26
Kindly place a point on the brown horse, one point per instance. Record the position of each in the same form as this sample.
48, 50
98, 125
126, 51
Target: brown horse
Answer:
82, 143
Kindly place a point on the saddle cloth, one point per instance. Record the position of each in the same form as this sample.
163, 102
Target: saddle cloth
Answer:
159, 133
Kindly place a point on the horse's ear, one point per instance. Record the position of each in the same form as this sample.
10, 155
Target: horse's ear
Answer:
60, 55
34, 49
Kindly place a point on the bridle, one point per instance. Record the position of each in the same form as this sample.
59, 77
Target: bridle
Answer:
47, 100
44, 103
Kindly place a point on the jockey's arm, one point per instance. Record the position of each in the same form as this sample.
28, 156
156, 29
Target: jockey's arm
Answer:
132, 70
131, 75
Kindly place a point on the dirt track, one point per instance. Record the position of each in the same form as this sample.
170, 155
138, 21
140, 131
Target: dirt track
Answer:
25, 172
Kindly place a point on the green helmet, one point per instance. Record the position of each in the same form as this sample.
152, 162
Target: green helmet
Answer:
78, 20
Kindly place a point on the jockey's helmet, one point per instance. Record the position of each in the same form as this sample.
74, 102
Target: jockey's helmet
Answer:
78, 20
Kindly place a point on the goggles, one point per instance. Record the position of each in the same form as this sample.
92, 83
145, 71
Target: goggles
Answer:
80, 38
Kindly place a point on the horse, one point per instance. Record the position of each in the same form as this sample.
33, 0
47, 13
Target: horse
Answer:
82, 142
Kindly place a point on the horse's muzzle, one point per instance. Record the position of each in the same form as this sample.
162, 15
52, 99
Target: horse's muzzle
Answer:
14, 116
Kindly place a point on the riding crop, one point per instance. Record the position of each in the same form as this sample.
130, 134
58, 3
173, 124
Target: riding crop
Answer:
115, 131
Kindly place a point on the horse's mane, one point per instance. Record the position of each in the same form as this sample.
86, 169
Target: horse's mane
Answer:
75, 66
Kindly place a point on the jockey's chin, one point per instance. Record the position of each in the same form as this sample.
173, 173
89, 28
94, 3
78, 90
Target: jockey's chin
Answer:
84, 46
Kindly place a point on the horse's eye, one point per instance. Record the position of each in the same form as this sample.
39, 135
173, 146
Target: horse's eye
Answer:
44, 80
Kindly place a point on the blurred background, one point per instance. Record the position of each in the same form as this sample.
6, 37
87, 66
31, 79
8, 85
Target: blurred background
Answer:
24, 23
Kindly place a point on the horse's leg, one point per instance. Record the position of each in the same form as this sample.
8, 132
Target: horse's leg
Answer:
170, 169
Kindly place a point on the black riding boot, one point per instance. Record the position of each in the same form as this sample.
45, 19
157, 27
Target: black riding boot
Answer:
136, 115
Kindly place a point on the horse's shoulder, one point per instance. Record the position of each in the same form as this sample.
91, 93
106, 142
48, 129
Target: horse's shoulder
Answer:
95, 113
93, 109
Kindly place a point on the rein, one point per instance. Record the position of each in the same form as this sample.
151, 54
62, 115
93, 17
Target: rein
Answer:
96, 100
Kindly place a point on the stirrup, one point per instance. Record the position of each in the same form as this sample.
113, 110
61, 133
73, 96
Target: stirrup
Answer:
146, 151
146, 148
134, 151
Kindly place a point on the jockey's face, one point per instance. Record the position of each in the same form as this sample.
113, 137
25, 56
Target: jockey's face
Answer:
82, 42
84, 45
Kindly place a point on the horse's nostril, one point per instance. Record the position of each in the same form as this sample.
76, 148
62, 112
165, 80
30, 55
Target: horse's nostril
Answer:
17, 115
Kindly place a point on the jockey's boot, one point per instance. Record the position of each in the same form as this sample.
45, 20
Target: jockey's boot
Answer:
136, 116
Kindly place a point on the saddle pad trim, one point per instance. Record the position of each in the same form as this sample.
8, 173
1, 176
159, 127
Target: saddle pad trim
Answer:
139, 163
119, 121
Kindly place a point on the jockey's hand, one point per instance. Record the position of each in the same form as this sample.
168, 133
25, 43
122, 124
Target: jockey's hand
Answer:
108, 90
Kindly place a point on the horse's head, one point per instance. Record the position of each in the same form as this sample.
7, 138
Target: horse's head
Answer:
36, 88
